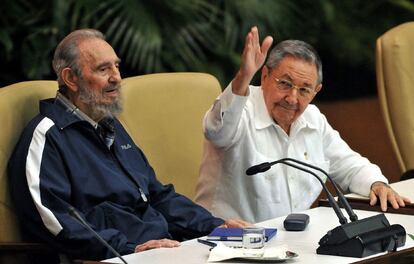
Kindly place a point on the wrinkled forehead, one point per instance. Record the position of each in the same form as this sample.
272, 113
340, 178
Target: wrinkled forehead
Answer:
96, 51
293, 68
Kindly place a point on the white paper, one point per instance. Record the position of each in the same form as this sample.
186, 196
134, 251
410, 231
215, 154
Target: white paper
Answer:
222, 252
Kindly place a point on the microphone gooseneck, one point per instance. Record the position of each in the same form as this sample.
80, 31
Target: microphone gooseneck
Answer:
341, 197
72, 212
331, 199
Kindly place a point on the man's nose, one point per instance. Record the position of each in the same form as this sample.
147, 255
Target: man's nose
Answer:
292, 96
115, 76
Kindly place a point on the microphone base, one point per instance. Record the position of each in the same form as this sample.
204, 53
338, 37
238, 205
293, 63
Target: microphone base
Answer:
362, 238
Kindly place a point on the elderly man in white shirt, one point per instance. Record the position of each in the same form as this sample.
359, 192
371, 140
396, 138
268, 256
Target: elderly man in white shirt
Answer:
248, 125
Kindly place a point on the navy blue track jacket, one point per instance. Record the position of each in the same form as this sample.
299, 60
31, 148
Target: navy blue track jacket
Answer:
61, 161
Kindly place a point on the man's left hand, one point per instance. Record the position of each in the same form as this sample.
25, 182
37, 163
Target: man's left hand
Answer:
386, 194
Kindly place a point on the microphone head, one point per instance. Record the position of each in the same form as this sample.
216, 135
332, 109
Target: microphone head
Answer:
258, 168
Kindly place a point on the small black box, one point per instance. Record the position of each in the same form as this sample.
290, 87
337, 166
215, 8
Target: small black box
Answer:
296, 222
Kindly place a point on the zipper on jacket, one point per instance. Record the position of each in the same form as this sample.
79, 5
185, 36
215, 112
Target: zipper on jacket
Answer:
144, 198
141, 192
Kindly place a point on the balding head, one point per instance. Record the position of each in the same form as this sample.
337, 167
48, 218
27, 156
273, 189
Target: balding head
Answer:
67, 53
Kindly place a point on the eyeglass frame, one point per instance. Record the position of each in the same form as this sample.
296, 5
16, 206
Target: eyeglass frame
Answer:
296, 87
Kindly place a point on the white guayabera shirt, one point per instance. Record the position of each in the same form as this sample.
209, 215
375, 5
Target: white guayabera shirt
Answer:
240, 133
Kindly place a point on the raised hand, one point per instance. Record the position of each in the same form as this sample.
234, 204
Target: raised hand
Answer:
253, 57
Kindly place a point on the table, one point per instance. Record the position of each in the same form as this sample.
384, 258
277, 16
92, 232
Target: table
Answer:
304, 243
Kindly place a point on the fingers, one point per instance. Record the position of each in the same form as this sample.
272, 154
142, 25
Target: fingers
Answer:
255, 41
236, 223
401, 200
248, 42
253, 57
372, 198
386, 195
380, 190
392, 199
267, 42
396, 200
255, 37
151, 244
405, 199
383, 199
252, 42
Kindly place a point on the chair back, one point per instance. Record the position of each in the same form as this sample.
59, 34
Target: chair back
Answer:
163, 113
395, 82
19, 103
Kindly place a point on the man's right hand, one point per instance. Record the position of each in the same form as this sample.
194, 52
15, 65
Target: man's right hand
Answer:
253, 58
159, 243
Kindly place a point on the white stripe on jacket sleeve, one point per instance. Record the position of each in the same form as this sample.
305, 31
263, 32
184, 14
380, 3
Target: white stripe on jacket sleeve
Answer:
33, 163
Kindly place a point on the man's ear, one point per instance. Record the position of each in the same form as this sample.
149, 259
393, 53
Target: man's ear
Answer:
70, 79
318, 88
265, 73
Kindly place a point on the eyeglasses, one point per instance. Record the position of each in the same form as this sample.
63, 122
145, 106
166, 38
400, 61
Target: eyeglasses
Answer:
286, 86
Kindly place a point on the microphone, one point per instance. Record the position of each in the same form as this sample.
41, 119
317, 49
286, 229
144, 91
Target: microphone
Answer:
72, 212
262, 167
360, 238
266, 166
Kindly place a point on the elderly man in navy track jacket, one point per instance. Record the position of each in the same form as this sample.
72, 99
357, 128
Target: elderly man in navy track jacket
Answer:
76, 153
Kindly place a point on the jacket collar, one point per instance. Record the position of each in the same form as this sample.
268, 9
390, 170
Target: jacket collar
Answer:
73, 109
64, 112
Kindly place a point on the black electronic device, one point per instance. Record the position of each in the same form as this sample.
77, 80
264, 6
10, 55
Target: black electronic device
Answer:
296, 222
360, 238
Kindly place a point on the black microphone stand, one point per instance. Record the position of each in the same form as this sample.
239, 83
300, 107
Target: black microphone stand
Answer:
360, 238
79, 218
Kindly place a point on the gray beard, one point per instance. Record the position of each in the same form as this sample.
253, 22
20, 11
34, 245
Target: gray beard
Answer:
97, 110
